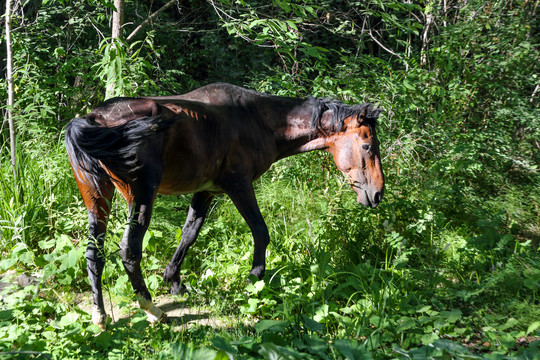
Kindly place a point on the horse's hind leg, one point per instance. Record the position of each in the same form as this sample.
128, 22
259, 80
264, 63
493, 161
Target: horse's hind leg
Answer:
98, 202
195, 218
140, 213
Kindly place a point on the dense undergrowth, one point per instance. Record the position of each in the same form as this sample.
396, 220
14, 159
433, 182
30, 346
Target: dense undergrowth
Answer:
448, 266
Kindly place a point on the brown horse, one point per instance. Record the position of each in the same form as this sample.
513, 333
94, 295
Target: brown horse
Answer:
216, 139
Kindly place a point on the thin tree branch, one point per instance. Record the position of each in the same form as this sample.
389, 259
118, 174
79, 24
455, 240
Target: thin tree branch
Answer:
381, 45
150, 18
534, 92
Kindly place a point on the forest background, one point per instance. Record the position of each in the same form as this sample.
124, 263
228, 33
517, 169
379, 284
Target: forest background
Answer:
448, 266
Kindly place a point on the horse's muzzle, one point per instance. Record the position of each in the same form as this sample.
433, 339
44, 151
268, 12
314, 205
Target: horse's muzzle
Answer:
369, 198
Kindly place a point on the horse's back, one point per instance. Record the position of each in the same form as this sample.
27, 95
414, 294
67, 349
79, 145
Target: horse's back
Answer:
216, 94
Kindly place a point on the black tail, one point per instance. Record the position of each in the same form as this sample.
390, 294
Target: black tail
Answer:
92, 147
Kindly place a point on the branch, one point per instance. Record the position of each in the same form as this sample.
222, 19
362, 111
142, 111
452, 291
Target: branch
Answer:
381, 45
150, 18
534, 92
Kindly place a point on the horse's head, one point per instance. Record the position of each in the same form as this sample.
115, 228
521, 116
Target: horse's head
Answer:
356, 154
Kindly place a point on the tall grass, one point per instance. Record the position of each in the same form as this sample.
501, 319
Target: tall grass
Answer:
341, 279
31, 205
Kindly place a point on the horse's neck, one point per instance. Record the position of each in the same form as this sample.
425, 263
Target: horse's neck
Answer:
298, 135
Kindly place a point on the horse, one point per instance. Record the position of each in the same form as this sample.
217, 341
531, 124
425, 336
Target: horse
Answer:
216, 139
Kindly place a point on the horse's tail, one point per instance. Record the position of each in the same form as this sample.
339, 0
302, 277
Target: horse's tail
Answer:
96, 151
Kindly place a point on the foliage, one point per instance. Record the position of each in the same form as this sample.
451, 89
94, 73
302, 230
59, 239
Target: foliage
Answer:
446, 267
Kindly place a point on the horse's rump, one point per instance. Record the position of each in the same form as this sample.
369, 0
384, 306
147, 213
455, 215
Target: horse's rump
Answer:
97, 151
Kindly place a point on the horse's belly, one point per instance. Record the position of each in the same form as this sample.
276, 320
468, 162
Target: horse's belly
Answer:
187, 187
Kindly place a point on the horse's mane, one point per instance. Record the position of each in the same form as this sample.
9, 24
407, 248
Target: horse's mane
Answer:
342, 111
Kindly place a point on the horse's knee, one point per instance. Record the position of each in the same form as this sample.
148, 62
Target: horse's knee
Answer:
95, 261
131, 246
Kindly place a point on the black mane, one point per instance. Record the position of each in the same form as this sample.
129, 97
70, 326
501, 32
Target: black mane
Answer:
342, 111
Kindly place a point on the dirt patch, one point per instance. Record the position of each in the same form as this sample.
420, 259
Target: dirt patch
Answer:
12, 281
178, 314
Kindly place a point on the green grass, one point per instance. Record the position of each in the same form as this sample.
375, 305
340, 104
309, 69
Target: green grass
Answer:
344, 282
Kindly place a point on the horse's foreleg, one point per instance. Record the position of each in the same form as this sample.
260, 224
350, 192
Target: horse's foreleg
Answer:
131, 254
243, 196
195, 218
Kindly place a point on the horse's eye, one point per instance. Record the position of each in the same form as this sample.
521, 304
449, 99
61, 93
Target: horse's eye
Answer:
366, 147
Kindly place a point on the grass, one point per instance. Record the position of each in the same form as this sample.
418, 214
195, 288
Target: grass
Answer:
405, 280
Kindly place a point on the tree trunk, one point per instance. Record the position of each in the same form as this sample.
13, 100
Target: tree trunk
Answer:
429, 18
118, 19
9, 79
116, 33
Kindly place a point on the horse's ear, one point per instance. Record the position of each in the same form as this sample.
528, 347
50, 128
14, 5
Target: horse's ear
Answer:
362, 115
376, 112
354, 121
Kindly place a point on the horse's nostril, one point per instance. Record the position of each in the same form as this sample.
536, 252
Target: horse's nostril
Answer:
377, 197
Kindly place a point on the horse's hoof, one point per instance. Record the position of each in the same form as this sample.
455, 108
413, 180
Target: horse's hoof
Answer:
99, 318
252, 278
178, 289
153, 313
156, 315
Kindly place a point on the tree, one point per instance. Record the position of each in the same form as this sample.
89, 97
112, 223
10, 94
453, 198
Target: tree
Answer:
116, 38
115, 54
9, 79
118, 19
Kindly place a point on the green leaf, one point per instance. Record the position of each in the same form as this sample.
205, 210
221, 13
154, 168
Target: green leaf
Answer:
258, 286
408, 85
321, 313
292, 24
533, 327
352, 350
405, 323
311, 324
204, 354
508, 340
316, 345
429, 338
221, 344
452, 316
6, 314
103, 340
271, 325
453, 348
68, 319
47, 244
271, 351
509, 323
424, 308
251, 307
